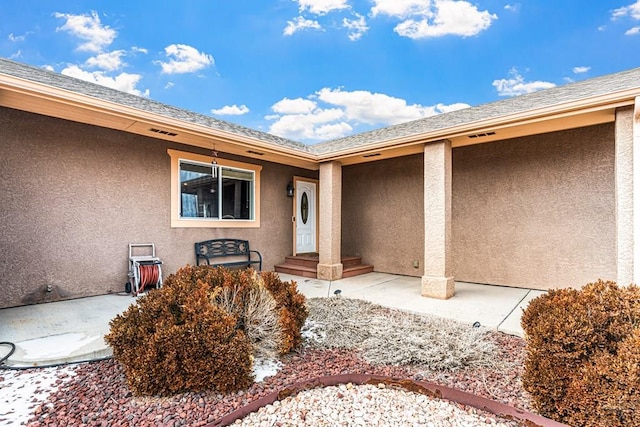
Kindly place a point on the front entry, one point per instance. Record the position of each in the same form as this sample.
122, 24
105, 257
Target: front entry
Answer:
305, 216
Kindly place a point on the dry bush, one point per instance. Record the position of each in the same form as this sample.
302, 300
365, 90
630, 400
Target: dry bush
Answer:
578, 347
395, 337
258, 317
292, 310
174, 340
199, 331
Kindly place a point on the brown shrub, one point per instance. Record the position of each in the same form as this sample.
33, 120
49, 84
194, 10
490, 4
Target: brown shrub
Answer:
175, 340
573, 338
199, 331
292, 308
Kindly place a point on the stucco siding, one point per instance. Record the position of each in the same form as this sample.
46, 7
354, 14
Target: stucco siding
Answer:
382, 211
74, 196
537, 211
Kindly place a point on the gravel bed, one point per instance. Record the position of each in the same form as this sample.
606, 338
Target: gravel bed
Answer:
96, 394
342, 337
365, 405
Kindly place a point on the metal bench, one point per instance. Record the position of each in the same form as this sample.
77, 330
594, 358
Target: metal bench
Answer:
236, 251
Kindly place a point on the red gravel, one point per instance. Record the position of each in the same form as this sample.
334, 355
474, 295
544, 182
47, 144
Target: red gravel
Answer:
98, 394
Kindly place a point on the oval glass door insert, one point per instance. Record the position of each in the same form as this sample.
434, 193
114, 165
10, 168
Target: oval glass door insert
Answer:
304, 207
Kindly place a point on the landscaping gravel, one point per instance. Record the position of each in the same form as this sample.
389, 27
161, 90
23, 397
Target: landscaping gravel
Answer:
96, 394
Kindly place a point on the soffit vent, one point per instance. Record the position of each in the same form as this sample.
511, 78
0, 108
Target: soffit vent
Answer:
257, 153
371, 155
163, 132
480, 135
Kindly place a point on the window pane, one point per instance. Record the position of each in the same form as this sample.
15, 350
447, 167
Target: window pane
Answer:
198, 191
237, 186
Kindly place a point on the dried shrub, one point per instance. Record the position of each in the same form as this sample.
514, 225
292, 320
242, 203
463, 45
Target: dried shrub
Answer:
175, 340
202, 328
394, 337
257, 315
292, 309
575, 343
613, 380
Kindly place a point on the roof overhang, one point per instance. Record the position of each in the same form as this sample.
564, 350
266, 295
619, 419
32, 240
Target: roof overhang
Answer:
42, 99
586, 112
37, 98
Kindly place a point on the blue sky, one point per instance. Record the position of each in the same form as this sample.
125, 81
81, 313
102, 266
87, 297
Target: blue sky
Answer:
314, 70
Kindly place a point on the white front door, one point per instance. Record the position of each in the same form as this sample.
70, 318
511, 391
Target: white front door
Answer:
305, 216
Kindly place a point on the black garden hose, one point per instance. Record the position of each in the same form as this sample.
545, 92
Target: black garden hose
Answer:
8, 355
52, 365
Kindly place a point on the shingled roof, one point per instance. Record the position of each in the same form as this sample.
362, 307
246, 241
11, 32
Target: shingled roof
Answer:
577, 91
60, 81
545, 98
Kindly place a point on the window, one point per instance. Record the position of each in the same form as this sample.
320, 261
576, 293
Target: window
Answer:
206, 195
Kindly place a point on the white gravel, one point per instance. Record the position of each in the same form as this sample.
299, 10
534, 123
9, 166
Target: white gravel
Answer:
366, 405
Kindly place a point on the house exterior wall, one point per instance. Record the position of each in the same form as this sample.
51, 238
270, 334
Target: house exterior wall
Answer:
536, 211
533, 212
74, 196
382, 214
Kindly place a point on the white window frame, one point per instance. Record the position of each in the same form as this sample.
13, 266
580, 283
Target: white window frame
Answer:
179, 222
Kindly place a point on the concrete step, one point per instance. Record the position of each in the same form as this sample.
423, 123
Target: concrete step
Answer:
356, 270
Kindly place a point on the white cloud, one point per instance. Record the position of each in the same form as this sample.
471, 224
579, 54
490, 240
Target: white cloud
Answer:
422, 19
357, 27
12, 37
109, 61
515, 85
632, 10
300, 23
184, 59
317, 125
231, 110
88, 28
401, 8
512, 7
48, 67
294, 106
580, 70
376, 108
341, 111
169, 85
321, 7
632, 31
124, 81
137, 49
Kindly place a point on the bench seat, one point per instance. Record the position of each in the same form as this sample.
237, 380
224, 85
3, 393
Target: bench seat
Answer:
236, 251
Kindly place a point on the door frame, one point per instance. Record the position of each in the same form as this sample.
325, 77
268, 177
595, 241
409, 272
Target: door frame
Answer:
294, 218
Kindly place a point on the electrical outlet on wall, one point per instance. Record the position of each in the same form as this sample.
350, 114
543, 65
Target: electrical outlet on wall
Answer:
416, 264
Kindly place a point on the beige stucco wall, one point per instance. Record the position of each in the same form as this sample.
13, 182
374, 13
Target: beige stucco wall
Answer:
536, 211
528, 212
382, 212
74, 196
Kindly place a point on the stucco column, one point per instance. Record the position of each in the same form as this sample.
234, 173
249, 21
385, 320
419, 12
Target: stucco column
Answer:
330, 266
624, 170
437, 281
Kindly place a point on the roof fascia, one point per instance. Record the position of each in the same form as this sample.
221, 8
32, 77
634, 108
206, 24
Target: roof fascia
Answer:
69, 98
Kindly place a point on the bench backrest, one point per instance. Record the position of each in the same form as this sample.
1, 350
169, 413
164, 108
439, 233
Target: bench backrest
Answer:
222, 247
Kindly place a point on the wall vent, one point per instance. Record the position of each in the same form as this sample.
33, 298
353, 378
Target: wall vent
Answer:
480, 135
163, 132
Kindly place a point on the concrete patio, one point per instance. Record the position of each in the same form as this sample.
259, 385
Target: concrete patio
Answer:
70, 331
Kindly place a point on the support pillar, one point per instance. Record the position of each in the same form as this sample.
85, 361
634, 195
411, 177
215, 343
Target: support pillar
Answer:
330, 266
625, 183
437, 281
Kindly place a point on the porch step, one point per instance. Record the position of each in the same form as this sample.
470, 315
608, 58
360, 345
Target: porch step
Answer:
306, 265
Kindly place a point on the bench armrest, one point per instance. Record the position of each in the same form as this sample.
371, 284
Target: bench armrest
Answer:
259, 258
